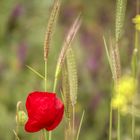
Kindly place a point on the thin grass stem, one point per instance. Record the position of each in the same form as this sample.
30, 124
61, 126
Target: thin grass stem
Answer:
17, 117
108, 55
45, 87
55, 84
135, 73
133, 123
134, 68
37, 73
45, 80
17, 138
110, 64
54, 89
110, 123
79, 129
73, 121
137, 5
118, 126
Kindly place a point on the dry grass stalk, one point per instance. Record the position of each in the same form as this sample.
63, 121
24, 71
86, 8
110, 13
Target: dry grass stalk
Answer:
67, 43
50, 27
115, 61
117, 58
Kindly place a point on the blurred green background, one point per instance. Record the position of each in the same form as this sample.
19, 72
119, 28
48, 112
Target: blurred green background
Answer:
22, 30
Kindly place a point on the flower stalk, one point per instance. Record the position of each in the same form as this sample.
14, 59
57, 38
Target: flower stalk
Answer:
134, 63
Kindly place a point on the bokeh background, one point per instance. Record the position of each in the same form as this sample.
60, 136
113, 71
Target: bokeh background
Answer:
22, 30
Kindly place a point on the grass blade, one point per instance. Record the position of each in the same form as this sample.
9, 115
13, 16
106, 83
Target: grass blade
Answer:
79, 129
33, 70
107, 53
17, 138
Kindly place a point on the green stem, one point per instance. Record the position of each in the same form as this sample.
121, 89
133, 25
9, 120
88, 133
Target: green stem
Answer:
17, 124
54, 89
135, 57
108, 55
17, 138
135, 73
133, 123
135, 76
118, 127
45, 87
136, 39
17, 130
55, 83
44, 134
50, 135
79, 129
110, 123
138, 4
73, 121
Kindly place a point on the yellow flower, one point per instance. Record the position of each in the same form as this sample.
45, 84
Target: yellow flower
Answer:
126, 87
119, 102
137, 27
136, 21
124, 92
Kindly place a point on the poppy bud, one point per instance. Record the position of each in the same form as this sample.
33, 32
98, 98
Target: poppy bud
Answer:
21, 118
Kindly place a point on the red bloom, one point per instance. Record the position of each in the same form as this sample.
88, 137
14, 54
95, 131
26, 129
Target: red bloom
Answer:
45, 110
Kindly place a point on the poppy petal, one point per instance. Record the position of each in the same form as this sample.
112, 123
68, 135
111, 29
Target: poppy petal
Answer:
32, 126
44, 109
58, 117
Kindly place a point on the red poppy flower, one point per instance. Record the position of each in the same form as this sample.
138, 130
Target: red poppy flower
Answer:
45, 110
